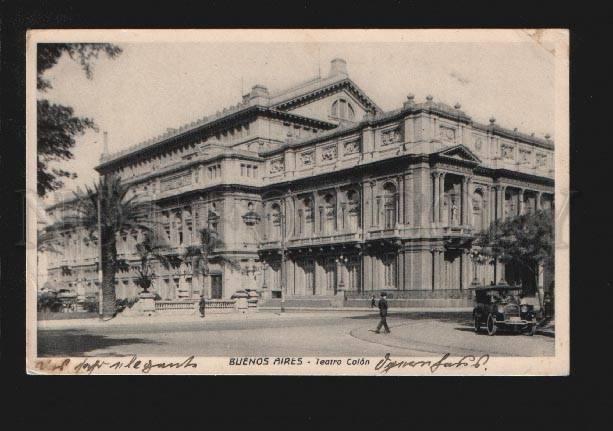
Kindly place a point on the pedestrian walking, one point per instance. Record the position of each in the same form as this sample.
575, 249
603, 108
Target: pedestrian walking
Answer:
373, 302
383, 314
202, 305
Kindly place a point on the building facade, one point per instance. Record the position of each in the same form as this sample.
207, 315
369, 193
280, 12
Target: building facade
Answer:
317, 192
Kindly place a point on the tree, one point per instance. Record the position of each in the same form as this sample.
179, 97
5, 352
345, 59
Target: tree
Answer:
57, 127
526, 240
199, 255
118, 214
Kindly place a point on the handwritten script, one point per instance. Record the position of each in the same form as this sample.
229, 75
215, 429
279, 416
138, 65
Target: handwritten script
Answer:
387, 364
88, 366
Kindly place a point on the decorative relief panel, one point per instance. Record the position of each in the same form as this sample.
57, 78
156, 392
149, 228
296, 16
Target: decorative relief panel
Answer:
524, 155
176, 181
478, 143
389, 137
447, 134
277, 165
351, 147
541, 160
506, 151
328, 153
307, 158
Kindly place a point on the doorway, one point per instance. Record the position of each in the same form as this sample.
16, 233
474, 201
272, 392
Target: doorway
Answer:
216, 286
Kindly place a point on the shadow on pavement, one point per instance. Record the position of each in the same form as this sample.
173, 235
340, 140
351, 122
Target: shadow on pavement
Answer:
77, 343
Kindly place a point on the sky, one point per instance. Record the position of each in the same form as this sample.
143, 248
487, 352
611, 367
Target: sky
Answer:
154, 86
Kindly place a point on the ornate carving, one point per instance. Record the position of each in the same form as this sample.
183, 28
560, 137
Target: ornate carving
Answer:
351, 147
447, 134
307, 158
478, 143
328, 153
524, 155
506, 151
277, 165
541, 160
389, 137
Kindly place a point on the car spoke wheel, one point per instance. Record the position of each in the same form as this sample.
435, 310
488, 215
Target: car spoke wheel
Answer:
477, 323
491, 325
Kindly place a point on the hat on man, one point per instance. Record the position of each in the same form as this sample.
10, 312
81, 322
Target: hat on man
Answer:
383, 294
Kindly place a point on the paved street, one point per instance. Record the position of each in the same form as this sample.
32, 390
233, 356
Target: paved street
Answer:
297, 334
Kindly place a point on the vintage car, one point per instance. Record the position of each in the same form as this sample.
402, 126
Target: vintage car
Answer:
501, 307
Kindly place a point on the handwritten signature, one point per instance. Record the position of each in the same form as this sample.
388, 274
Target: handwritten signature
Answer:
88, 366
386, 364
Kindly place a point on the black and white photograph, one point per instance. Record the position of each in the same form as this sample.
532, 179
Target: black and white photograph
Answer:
298, 202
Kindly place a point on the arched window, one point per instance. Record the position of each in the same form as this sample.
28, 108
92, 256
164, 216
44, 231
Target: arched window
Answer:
389, 205
342, 110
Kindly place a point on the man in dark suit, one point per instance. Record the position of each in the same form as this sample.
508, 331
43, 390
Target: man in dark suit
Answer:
383, 314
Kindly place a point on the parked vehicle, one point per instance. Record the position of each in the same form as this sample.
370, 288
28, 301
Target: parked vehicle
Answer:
500, 307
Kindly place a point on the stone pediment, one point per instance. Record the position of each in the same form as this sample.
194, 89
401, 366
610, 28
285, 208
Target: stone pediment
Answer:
460, 153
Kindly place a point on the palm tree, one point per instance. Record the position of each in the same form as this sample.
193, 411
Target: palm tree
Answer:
199, 255
106, 208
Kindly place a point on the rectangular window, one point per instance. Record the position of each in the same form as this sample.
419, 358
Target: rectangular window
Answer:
389, 266
255, 172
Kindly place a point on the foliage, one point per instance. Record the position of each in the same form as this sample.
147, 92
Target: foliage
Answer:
124, 303
91, 304
526, 240
57, 127
118, 215
48, 301
149, 249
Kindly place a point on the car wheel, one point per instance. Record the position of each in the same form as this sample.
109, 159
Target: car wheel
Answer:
477, 323
491, 325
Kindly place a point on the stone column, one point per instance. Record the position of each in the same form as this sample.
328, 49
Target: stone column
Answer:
338, 221
538, 200
441, 197
409, 195
520, 201
400, 206
436, 279
373, 204
435, 203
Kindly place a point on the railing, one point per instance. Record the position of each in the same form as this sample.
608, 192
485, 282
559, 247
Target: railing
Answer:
383, 233
462, 230
191, 306
269, 245
220, 304
175, 305
325, 239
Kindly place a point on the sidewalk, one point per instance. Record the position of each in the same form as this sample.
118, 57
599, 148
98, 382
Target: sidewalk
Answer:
262, 314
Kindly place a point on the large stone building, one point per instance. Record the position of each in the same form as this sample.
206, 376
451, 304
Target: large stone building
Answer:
317, 192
